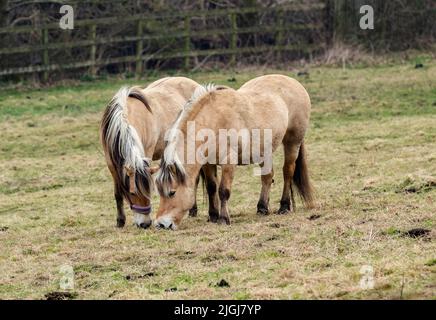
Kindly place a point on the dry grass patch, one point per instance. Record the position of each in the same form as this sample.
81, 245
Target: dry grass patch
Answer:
372, 157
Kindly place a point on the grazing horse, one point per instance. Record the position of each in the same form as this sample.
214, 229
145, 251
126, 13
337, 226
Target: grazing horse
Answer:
273, 103
132, 132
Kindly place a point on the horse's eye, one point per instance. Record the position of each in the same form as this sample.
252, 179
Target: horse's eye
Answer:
171, 194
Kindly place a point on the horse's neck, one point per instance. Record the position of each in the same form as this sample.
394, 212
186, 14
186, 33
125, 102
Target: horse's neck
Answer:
160, 120
142, 120
192, 171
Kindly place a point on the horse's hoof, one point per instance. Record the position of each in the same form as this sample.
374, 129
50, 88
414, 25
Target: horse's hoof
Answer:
262, 211
121, 223
212, 219
223, 220
193, 212
283, 211
262, 208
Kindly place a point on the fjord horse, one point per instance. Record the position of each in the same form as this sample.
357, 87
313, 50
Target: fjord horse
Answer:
132, 132
274, 102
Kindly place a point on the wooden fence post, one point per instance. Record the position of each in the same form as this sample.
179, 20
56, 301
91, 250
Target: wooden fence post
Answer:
339, 20
329, 21
45, 60
279, 38
346, 18
234, 38
139, 48
93, 36
187, 41
3, 12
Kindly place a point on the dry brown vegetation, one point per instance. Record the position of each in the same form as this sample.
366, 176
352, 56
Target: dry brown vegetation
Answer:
372, 156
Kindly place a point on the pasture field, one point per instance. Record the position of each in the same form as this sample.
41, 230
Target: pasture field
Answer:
372, 155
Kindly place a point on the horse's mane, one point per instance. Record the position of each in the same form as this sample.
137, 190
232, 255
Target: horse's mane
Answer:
123, 145
171, 167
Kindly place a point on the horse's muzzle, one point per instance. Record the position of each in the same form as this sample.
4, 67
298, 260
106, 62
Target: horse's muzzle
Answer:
145, 225
165, 223
142, 216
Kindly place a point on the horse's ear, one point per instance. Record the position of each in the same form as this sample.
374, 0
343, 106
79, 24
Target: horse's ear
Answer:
136, 93
132, 179
153, 170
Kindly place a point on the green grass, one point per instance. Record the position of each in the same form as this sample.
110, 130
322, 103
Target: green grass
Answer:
372, 157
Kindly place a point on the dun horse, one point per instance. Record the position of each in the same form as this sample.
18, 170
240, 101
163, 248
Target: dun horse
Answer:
274, 102
132, 133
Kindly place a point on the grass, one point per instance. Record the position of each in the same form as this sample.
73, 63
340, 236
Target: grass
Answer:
372, 154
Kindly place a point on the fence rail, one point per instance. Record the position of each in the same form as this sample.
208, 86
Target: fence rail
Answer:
184, 51
181, 14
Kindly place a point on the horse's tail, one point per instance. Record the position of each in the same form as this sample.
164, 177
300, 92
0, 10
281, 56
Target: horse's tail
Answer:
120, 139
301, 178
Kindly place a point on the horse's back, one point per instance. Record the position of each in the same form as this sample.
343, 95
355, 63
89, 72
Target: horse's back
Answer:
173, 86
278, 85
281, 89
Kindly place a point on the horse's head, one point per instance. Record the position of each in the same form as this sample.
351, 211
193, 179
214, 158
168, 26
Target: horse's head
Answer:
136, 186
177, 196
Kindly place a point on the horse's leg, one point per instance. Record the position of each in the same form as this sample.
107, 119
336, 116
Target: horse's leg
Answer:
121, 217
224, 192
194, 210
210, 173
291, 154
262, 204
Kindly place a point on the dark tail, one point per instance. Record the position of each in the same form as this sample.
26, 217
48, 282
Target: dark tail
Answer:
301, 178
